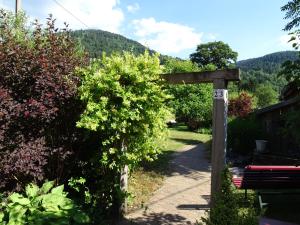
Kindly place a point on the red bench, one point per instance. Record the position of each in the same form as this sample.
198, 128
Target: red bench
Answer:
268, 177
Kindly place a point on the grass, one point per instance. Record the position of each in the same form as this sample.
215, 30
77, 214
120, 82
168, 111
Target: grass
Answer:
145, 180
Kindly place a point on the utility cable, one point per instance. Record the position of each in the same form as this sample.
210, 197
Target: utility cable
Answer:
68, 11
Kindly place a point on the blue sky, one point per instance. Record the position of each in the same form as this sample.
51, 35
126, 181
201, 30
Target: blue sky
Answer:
174, 27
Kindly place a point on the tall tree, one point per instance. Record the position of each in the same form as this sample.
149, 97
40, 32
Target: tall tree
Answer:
291, 69
217, 53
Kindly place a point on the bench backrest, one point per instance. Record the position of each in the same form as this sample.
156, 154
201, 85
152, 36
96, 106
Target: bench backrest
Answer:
271, 177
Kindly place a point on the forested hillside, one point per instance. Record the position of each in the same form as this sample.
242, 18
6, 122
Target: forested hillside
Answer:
269, 63
256, 71
98, 41
264, 70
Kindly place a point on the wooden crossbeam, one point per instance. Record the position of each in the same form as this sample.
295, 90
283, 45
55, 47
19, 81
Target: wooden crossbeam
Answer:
202, 77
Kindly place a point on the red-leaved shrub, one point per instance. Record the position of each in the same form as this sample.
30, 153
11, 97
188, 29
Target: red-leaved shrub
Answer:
240, 106
38, 105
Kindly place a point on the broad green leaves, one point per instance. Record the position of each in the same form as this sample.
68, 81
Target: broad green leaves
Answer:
41, 206
126, 105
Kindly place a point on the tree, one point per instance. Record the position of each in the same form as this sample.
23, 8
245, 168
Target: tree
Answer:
216, 53
292, 12
266, 95
191, 103
291, 69
172, 65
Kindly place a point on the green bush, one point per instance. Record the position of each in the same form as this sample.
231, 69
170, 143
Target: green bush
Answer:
205, 130
266, 95
230, 207
126, 104
47, 205
242, 133
191, 103
126, 114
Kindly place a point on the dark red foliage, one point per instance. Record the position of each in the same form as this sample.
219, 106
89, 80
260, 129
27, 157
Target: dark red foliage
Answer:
38, 105
240, 106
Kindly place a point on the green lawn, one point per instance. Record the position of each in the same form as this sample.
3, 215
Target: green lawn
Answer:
149, 177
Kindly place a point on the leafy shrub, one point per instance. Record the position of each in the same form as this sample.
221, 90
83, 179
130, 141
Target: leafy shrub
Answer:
178, 66
266, 95
240, 106
38, 106
126, 103
192, 104
242, 133
125, 110
205, 130
230, 208
47, 205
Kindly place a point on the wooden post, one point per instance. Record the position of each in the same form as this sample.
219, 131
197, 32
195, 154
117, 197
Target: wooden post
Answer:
124, 183
220, 104
18, 6
124, 188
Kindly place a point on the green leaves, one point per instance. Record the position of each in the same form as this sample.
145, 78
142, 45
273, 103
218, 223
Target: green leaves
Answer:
19, 199
126, 104
32, 190
47, 187
215, 53
41, 206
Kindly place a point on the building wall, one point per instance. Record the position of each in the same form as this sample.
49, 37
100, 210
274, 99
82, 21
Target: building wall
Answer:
273, 122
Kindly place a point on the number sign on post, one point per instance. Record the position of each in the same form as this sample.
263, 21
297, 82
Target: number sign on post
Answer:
221, 94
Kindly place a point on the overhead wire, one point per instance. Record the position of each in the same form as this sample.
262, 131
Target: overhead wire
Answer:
68, 11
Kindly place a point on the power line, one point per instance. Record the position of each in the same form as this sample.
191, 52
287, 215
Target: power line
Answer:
68, 11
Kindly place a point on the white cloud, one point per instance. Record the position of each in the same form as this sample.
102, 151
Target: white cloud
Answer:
165, 37
133, 8
284, 41
100, 14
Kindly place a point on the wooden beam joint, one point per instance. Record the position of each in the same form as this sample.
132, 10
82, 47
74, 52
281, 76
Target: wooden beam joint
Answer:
202, 77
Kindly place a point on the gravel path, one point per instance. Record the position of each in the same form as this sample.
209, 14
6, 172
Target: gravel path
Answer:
184, 196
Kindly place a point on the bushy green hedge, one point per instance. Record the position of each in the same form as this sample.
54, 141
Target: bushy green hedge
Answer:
242, 133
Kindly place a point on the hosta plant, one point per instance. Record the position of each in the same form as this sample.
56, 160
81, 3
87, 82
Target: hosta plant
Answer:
47, 205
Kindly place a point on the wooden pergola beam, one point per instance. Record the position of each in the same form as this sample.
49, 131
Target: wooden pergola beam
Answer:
202, 77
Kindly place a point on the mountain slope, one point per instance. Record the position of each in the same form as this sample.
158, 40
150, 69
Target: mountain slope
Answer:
269, 63
98, 41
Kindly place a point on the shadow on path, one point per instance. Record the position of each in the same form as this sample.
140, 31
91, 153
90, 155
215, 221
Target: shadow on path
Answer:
157, 219
185, 194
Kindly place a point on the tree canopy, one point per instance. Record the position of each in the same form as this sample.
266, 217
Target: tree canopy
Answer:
292, 12
291, 69
192, 103
217, 53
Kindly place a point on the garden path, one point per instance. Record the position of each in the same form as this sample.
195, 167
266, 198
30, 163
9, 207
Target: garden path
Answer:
184, 196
